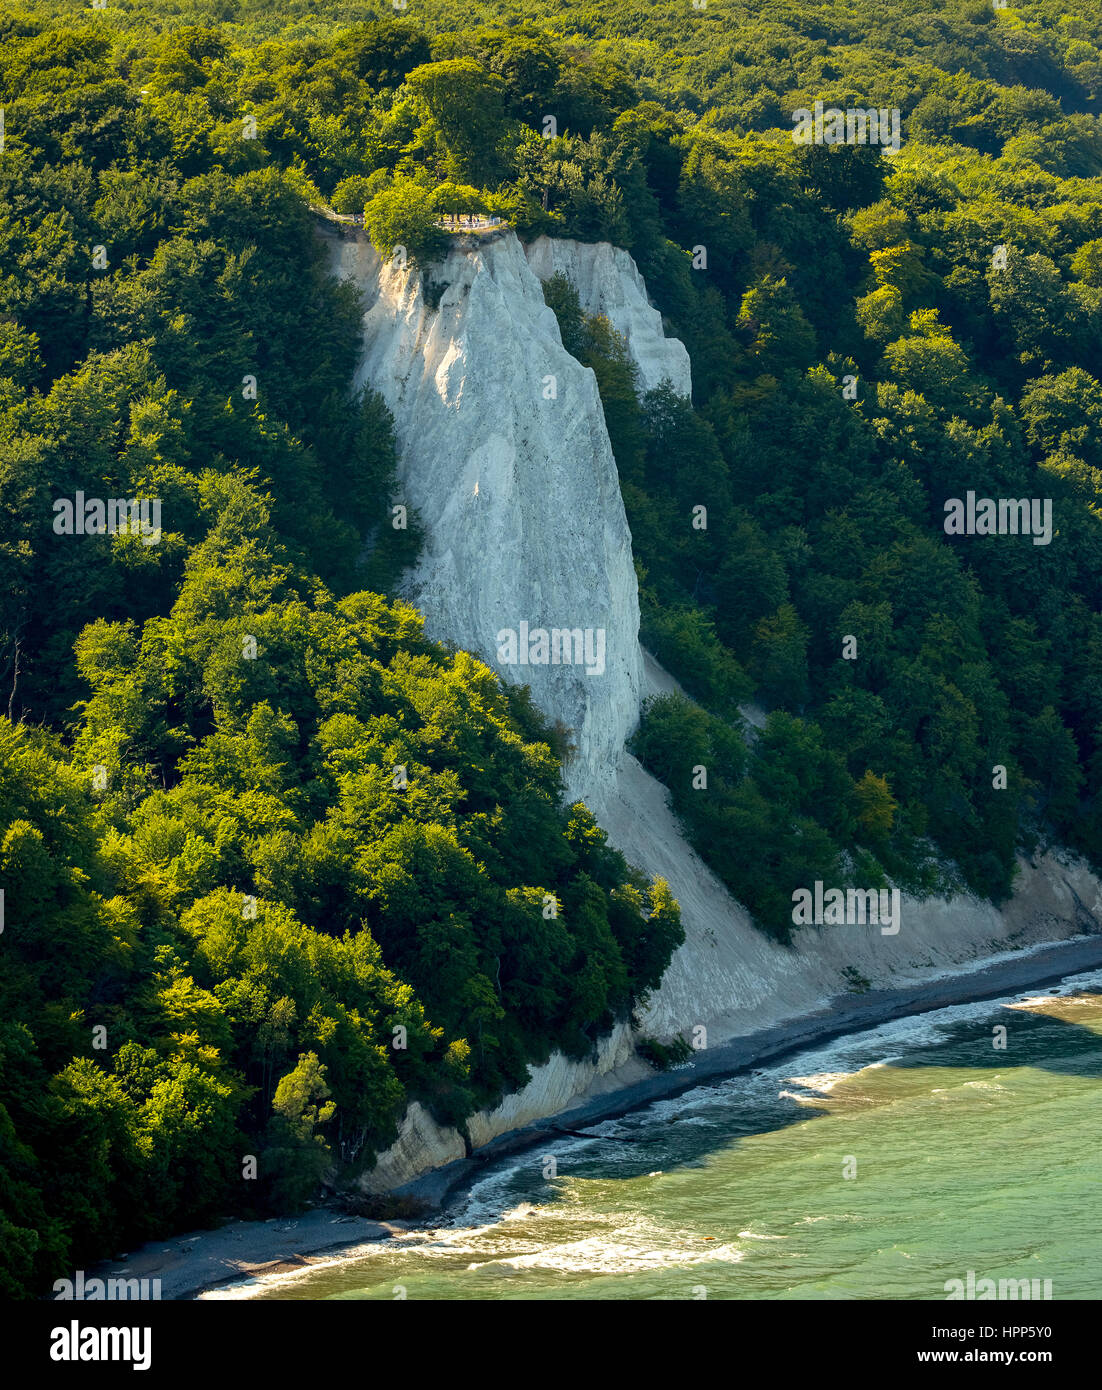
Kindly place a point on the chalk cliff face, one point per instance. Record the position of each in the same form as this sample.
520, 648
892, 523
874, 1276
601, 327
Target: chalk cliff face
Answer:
519, 498
608, 282
505, 455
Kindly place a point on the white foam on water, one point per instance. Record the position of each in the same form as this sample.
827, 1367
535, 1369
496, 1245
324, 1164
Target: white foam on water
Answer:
824, 1082
630, 1244
598, 1255
800, 1097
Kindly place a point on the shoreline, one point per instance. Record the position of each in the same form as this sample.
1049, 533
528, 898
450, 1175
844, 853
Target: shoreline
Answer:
191, 1263
1032, 967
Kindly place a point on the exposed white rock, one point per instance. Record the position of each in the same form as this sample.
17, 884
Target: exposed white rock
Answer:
608, 282
421, 1144
523, 519
554, 1087
504, 453
734, 980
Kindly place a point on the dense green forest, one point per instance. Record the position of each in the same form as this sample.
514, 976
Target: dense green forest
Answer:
254, 825
273, 864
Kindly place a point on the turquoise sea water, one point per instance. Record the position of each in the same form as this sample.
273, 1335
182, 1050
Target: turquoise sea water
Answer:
965, 1158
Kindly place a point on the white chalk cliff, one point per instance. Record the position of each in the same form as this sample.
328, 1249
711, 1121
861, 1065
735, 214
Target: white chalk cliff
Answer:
519, 498
504, 454
608, 282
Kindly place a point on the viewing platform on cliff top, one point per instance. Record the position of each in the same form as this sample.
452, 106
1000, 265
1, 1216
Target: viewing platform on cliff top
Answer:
469, 229
471, 222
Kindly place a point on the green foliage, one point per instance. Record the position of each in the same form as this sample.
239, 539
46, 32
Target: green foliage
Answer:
377, 907
465, 117
455, 198
663, 1056
405, 216
232, 932
772, 517
776, 515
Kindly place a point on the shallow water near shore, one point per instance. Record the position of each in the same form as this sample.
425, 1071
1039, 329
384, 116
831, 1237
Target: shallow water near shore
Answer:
964, 1157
